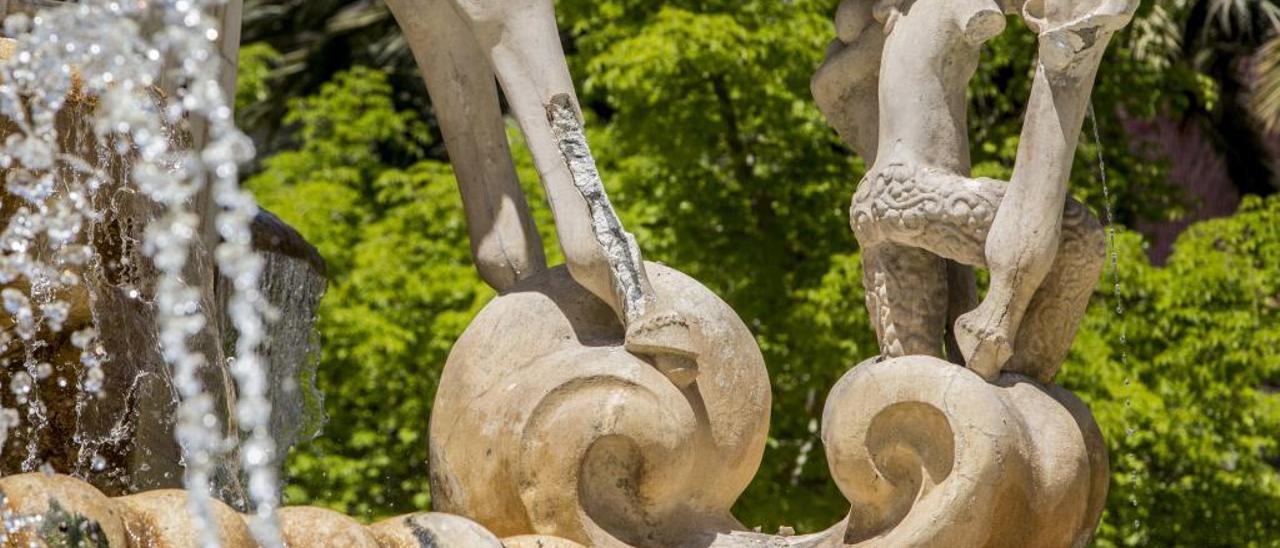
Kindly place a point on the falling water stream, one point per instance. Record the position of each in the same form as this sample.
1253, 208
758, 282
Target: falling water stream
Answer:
156, 145
1117, 292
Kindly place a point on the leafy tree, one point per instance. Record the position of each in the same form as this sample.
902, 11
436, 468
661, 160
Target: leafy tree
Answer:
1218, 38
401, 288
1184, 384
315, 40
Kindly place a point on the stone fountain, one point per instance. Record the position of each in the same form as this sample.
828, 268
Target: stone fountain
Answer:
614, 402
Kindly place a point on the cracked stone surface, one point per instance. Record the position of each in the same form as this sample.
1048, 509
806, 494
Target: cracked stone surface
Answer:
621, 252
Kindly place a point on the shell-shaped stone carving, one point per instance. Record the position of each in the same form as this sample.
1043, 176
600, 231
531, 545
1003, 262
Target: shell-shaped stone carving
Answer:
544, 424
929, 454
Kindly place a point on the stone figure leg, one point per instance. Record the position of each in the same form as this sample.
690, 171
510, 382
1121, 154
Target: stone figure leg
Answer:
950, 216
1024, 238
504, 240
962, 296
904, 285
524, 50
1054, 313
521, 43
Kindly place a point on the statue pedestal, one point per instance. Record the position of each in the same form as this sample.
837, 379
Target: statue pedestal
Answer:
929, 453
544, 424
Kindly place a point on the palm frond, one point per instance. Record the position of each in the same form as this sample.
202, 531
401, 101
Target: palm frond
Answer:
1265, 97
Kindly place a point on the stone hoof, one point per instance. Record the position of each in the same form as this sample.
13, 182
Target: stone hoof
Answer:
666, 339
1045, 16
985, 349
983, 25
1069, 32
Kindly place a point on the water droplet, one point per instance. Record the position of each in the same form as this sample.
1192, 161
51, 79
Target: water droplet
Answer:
9, 418
21, 384
83, 337
93, 380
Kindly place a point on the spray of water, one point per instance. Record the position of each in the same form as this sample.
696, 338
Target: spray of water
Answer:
1117, 290
153, 71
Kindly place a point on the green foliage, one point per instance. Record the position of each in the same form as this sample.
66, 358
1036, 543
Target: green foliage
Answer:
253, 85
1184, 384
726, 170
710, 145
401, 288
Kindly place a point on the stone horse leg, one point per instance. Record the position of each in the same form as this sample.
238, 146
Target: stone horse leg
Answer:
504, 241
460, 45
1022, 248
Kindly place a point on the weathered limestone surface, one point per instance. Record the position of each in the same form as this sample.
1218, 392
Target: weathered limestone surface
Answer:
461, 47
418, 530
545, 424
930, 454
923, 222
307, 526
159, 519
64, 511
927, 453
617, 403
538, 541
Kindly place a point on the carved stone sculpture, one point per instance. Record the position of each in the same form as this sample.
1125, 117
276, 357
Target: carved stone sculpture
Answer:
631, 413
917, 208
930, 454
543, 424
461, 46
926, 452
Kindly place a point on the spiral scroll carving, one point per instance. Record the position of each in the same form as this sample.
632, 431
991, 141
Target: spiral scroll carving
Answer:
929, 454
545, 424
